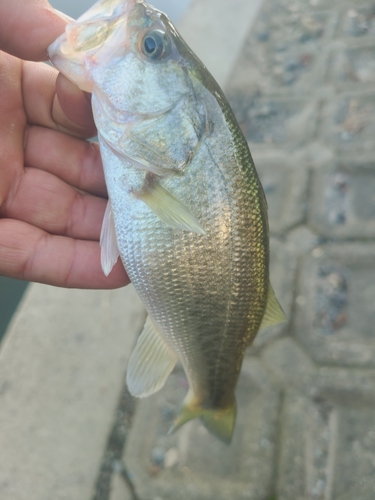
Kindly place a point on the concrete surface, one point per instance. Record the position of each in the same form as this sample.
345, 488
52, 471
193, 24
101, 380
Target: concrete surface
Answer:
62, 366
303, 89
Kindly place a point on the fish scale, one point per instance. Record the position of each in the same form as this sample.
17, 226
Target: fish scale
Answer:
186, 210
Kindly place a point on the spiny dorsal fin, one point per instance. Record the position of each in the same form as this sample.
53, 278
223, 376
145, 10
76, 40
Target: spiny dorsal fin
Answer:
274, 314
108, 242
169, 209
150, 363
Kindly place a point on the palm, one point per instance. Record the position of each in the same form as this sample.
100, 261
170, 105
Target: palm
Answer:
52, 191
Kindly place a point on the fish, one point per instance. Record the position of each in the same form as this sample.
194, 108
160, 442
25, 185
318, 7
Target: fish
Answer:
186, 210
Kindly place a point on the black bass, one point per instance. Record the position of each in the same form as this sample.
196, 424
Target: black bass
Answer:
186, 211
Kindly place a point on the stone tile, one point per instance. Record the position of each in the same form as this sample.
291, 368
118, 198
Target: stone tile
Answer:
301, 241
353, 67
285, 185
289, 364
278, 121
327, 435
62, 365
354, 467
343, 200
192, 464
358, 20
327, 450
334, 305
283, 52
350, 123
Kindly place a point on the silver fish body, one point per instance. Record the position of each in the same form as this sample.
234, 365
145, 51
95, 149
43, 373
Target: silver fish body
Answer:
189, 213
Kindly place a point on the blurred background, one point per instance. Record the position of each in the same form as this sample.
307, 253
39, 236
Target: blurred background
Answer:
301, 81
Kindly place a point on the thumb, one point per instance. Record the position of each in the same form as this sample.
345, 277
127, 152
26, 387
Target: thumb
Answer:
27, 28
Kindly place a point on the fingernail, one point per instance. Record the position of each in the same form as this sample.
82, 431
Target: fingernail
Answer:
64, 16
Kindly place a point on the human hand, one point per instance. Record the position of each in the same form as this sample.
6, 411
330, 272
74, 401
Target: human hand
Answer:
52, 190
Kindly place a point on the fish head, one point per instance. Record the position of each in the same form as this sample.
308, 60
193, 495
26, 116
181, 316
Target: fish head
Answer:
125, 51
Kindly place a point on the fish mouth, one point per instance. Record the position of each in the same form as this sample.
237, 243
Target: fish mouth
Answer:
94, 36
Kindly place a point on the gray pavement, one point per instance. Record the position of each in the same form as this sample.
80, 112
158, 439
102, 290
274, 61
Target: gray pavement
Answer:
303, 88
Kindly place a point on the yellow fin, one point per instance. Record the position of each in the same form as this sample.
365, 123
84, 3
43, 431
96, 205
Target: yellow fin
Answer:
169, 209
150, 363
274, 313
219, 421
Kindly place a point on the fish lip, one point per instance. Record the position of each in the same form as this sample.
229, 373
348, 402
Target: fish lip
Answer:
66, 52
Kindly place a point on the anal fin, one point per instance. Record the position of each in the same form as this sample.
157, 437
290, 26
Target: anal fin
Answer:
150, 363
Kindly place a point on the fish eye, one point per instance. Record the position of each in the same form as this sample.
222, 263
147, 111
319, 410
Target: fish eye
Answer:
155, 45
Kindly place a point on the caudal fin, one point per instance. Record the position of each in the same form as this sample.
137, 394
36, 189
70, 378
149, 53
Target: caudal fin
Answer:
219, 421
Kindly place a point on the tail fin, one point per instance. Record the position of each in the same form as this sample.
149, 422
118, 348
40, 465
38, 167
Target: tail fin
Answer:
219, 421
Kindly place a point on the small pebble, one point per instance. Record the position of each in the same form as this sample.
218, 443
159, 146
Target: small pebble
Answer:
172, 457
263, 36
158, 455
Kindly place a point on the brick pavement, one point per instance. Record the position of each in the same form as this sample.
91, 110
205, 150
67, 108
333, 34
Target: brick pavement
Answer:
303, 90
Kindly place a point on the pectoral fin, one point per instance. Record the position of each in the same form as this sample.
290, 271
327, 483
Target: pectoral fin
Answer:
274, 314
108, 242
150, 363
169, 209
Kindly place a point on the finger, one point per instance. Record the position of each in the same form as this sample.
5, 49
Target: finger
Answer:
27, 28
75, 161
12, 125
28, 253
73, 104
45, 201
42, 107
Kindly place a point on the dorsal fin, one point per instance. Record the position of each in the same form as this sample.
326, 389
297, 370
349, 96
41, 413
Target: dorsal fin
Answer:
274, 313
150, 363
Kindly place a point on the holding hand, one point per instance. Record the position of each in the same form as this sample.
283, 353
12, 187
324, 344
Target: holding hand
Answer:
52, 190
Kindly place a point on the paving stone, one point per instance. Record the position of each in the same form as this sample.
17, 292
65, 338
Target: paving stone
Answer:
327, 450
302, 240
192, 464
62, 365
285, 185
354, 66
358, 20
343, 200
283, 52
327, 427
341, 385
350, 122
289, 363
334, 305
278, 121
